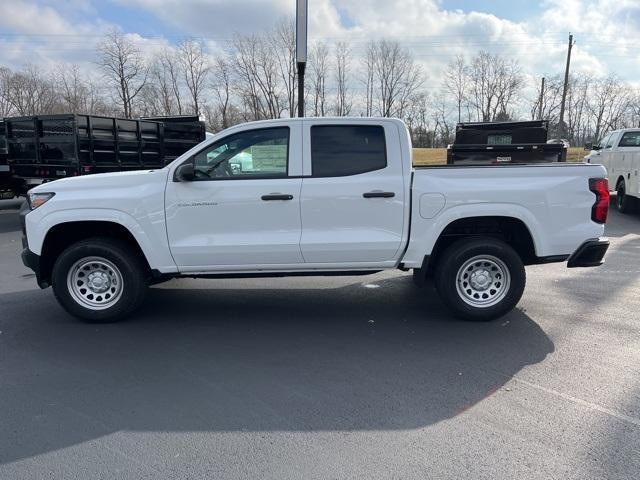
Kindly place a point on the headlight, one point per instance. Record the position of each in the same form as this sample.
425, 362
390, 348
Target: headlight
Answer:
38, 199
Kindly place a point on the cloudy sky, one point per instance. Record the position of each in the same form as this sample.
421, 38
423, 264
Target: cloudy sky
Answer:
607, 32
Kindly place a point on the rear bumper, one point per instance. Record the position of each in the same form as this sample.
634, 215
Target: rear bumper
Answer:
589, 254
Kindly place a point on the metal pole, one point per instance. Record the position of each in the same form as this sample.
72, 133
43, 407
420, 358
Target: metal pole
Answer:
301, 50
541, 100
566, 86
301, 69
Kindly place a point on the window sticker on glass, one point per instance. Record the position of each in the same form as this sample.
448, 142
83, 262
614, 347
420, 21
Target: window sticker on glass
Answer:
252, 154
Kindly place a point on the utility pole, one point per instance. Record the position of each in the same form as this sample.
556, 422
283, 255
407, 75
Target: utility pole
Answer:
541, 99
301, 50
566, 86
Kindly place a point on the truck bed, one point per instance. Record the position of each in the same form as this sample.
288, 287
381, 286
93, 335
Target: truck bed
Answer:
552, 200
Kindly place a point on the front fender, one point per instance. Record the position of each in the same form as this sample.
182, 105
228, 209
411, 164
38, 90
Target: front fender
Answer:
150, 237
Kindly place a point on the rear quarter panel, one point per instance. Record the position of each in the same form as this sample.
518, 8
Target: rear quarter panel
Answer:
553, 201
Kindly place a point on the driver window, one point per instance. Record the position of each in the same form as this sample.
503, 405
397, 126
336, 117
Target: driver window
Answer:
603, 141
610, 140
252, 154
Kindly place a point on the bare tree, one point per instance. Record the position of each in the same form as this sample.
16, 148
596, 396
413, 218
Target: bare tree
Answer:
442, 128
72, 89
29, 92
224, 113
456, 82
608, 103
634, 108
577, 114
95, 101
319, 66
551, 98
419, 122
6, 106
195, 69
342, 61
165, 74
257, 77
160, 88
123, 64
370, 71
392, 78
283, 50
495, 82
150, 102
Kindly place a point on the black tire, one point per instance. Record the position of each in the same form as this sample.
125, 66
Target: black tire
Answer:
623, 201
111, 256
499, 256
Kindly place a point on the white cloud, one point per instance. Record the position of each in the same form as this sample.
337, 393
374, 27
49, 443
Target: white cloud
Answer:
46, 33
607, 31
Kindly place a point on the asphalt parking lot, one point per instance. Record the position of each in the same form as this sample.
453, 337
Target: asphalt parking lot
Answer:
356, 377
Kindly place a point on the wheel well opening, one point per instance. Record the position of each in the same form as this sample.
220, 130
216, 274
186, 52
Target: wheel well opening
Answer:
65, 234
508, 229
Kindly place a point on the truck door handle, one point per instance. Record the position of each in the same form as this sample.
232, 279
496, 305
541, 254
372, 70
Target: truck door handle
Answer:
276, 196
377, 194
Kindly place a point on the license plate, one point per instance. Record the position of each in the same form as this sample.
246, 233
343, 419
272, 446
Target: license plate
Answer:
4, 168
503, 159
61, 173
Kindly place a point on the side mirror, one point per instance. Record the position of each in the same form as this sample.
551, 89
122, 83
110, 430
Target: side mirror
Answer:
588, 146
185, 173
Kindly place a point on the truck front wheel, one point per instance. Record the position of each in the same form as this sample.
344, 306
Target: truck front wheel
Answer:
480, 278
99, 280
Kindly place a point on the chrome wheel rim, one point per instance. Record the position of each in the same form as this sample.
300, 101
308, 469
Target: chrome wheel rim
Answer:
483, 281
95, 283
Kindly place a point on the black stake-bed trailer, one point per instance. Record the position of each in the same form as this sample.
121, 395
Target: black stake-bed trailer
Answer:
483, 143
48, 147
10, 185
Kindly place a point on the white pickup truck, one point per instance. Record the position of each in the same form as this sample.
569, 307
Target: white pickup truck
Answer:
619, 153
312, 197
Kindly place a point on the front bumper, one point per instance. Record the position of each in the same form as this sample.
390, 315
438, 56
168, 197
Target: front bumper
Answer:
32, 262
30, 259
589, 254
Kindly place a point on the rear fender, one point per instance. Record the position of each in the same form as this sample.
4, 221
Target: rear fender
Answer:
425, 233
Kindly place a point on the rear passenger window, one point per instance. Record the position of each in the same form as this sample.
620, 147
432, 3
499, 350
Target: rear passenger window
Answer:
340, 150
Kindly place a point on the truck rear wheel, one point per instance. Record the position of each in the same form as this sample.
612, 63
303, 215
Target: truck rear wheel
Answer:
98, 280
480, 278
623, 201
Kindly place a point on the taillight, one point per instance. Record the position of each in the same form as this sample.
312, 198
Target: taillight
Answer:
600, 209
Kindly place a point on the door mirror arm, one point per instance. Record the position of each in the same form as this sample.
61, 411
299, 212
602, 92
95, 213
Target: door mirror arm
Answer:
184, 173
